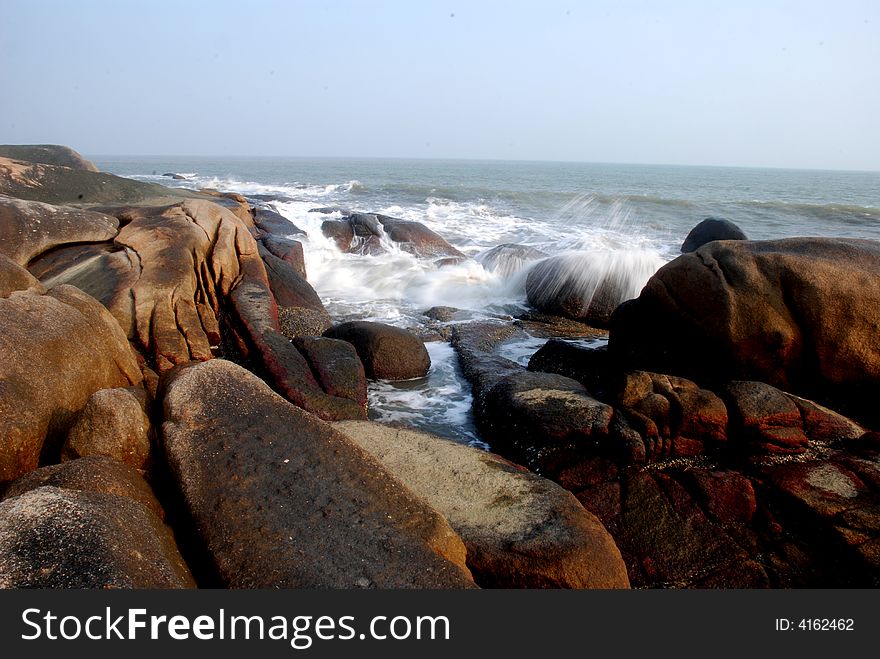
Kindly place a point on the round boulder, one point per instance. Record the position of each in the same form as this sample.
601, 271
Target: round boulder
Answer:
712, 228
388, 353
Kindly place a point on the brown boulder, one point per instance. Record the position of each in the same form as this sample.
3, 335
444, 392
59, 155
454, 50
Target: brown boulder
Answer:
387, 352
60, 538
112, 423
800, 314
336, 366
15, 278
765, 417
97, 473
363, 233
290, 251
47, 154
289, 286
520, 530
299, 321
57, 349
282, 500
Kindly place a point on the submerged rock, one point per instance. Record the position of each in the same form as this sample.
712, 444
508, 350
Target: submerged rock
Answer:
363, 233
509, 258
282, 500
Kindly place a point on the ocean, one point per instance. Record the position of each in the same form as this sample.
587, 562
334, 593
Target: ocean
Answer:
635, 217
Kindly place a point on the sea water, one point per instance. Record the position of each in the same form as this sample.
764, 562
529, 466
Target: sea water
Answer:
630, 219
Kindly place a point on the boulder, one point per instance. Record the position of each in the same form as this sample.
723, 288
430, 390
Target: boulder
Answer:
336, 366
29, 228
47, 154
299, 321
520, 530
114, 424
96, 473
57, 349
589, 286
62, 538
273, 222
290, 251
289, 286
509, 258
766, 417
15, 278
388, 353
363, 233
282, 500
589, 366
712, 228
800, 314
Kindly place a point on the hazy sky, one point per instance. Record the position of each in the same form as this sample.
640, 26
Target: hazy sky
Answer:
764, 83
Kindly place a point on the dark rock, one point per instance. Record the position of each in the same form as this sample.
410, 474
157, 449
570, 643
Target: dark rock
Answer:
509, 258
766, 417
274, 222
47, 154
520, 530
336, 366
712, 228
114, 424
442, 314
727, 495
29, 228
289, 287
282, 500
588, 286
362, 233
800, 314
61, 538
589, 366
96, 473
290, 251
57, 349
388, 353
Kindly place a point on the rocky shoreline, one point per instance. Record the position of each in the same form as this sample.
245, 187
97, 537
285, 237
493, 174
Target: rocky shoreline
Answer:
179, 409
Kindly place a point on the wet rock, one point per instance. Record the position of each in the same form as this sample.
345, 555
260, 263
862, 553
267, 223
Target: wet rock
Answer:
96, 473
337, 367
712, 228
442, 314
589, 366
282, 500
62, 538
362, 233
57, 349
799, 314
509, 258
289, 287
387, 352
520, 530
112, 423
290, 251
273, 222
766, 417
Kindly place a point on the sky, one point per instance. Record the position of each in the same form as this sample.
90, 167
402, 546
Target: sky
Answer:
746, 83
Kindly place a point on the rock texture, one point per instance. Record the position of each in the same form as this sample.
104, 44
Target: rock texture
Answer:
47, 154
800, 314
114, 424
282, 500
520, 530
61, 538
387, 352
57, 349
364, 233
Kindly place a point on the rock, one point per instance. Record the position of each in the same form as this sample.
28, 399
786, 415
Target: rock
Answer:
727, 495
55, 184
509, 258
588, 286
289, 287
799, 314
15, 278
824, 425
388, 353
299, 321
57, 349
363, 233
712, 228
96, 473
442, 314
112, 423
589, 366
520, 530
47, 154
282, 500
273, 222
60, 538
29, 228
766, 417
175, 177
336, 366
289, 251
